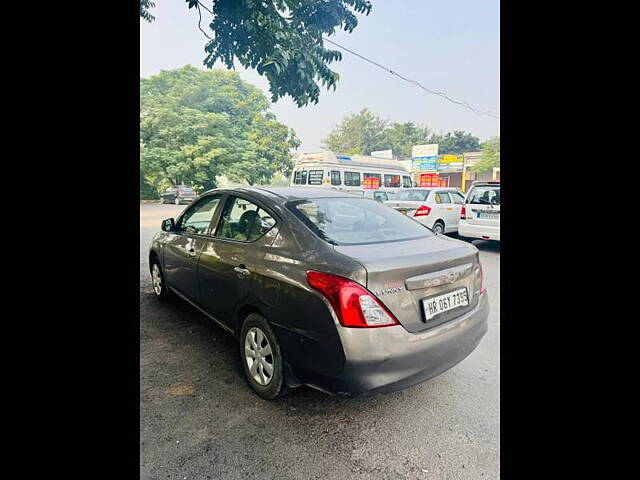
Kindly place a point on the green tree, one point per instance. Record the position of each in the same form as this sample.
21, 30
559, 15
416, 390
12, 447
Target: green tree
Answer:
490, 157
196, 125
358, 133
457, 143
281, 39
401, 137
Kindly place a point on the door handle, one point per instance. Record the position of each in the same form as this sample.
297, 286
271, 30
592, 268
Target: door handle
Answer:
242, 270
192, 252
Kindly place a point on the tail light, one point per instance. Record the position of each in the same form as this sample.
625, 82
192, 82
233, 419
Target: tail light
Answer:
463, 213
355, 306
424, 210
480, 277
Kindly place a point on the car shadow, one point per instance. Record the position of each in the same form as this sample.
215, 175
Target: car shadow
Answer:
487, 245
210, 346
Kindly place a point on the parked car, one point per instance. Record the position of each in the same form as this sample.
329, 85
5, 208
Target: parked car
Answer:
322, 288
437, 208
377, 195
178, 194
480, 215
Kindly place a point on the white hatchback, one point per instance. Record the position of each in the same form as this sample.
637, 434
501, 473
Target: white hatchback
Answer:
480, 216
437, 208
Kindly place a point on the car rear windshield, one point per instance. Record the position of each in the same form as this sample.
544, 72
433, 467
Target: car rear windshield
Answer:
485, 196
186, 189
412, 195
356, 221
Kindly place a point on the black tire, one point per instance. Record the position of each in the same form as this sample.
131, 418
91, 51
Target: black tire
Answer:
276, 385
438, 227
164, 293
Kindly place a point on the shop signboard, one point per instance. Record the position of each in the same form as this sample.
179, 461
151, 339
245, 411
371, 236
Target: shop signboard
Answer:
428, 179
425, 157
450, 162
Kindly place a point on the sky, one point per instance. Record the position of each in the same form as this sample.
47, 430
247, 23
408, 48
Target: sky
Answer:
451, 46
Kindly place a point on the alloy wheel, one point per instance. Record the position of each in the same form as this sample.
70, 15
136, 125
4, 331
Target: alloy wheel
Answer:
258, 355
156, 278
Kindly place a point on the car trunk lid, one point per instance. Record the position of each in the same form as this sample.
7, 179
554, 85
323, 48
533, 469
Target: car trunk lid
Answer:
402, 274
407, 207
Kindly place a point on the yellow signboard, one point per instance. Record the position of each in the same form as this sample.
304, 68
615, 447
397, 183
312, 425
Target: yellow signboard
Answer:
450, 159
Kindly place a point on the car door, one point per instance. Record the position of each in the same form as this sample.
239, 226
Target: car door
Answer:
458, 202
444, 210
185, 245
229, 263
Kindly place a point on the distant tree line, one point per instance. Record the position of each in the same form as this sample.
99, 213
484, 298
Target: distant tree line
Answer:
365, 132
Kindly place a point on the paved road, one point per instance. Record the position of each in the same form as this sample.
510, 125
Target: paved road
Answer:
200, 420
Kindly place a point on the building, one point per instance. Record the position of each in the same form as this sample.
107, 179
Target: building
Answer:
470, 160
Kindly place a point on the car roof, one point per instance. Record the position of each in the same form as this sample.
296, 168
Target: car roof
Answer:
485, 184
286, 194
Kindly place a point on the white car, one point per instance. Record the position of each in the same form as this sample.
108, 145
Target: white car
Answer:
435, 207
480, 216
377, 195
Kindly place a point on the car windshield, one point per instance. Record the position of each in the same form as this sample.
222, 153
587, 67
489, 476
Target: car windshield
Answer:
186, 189
485, 196
412, 195
356, 221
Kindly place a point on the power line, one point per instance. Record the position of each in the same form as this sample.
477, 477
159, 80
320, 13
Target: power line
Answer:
434, 92
440, 94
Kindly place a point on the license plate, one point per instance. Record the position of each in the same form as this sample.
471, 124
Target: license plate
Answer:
443, 303
489, 216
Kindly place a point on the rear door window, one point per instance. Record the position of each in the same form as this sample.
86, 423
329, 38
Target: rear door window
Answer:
484, 196
443, 197
335, 177
243, 221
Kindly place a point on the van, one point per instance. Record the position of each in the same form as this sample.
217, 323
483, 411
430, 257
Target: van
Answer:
349, 172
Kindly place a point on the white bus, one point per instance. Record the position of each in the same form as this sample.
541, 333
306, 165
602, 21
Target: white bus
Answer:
348, 172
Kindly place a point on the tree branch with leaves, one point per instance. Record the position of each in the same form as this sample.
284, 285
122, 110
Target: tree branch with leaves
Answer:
281, 39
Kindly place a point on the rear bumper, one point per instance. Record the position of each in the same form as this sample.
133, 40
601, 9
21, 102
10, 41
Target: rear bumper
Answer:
478, 231
424, 220
381, 360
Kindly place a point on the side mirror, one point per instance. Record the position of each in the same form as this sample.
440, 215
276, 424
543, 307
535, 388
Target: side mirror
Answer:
168, 224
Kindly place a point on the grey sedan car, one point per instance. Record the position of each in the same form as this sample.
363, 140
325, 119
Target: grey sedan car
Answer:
323, 289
